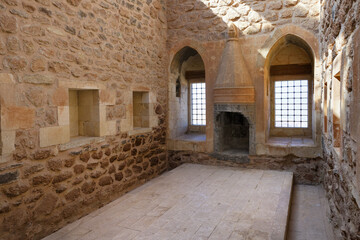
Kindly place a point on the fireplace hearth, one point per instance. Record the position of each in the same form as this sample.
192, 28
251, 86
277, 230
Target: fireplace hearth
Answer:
234, 137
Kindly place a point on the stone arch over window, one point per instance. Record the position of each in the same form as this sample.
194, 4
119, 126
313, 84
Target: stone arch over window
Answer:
187, 95
290, 88
306, 62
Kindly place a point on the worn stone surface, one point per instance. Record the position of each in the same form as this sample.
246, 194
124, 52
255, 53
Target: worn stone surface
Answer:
174, 207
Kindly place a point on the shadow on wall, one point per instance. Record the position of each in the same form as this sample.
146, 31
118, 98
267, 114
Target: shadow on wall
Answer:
209, 20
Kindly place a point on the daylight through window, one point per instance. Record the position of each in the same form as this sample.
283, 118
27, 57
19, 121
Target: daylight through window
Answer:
291, 104
198, 104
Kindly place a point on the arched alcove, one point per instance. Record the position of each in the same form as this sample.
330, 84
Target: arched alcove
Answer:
187, 97
289, 81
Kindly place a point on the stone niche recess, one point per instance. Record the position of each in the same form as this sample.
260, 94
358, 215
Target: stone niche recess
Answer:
84, 113
81, 116
141, 110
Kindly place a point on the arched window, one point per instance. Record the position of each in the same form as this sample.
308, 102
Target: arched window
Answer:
187, 94
291, 89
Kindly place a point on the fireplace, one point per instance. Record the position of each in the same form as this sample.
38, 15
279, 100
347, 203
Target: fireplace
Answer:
233, 133
234, 130
234, 104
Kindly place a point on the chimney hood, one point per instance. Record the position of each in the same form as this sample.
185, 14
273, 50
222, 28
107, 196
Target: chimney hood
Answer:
233, 83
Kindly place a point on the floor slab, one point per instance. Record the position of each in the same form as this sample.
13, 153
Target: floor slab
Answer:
308, 219
194, 202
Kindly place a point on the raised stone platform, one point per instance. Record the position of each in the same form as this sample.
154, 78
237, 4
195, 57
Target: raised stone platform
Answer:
194, 202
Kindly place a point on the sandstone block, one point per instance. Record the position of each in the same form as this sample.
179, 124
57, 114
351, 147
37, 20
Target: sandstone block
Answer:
12, 44
96, 174
15, 63
8, 142
85, 157
58, 67
301, 11
69, 162
61, 97
254, 17
233, 14
55, 164
63, 115
253, 29
275, 5
38, 64
44, 179
8, 24
289, 3
112, 169
106, 180
37, 79
19, 13
33, 30
74, 2
88, 187
41, 154
28, 47
16, 190
33, 169
79, 169
271, 16
54, 135
29, 8
107, 128
287, 13
13, 118
73, 194
62, 177
119, 176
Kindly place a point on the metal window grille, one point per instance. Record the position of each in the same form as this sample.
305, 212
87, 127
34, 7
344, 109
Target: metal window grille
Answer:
291, 104
198, 104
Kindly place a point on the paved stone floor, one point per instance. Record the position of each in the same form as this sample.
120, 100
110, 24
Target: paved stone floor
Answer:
308, 219
193, 202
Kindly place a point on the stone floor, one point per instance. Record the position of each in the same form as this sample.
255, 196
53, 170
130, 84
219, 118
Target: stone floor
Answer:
193, 202
308, 219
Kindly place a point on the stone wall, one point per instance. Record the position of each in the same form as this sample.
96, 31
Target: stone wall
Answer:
340, 41
208, 20
306, 170
46, 48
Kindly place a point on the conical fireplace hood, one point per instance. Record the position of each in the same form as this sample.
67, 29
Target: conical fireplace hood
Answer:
233, 83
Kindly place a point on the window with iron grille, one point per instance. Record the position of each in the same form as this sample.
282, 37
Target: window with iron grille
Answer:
198, 104
292, 104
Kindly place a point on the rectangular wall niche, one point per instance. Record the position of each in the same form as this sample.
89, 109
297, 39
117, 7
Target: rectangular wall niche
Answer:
84, 113
141, 110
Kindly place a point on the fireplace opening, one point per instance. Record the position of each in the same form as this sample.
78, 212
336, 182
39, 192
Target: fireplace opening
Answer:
233, 130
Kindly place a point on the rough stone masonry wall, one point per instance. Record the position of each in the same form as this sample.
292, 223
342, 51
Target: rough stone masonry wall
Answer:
107, 42
306, 170
339, 21
208, 20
